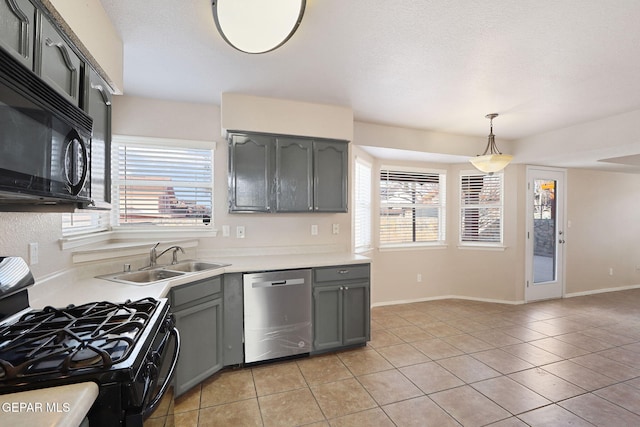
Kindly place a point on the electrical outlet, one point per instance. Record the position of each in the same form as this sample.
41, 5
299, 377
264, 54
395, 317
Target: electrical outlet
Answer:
611, 271
33, 253
240, 232
419, 277
336, 228
314, 230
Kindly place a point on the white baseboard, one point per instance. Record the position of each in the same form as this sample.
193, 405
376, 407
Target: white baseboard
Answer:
600, 291
497, 301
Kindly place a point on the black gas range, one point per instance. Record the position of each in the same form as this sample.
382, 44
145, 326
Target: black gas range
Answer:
129, 349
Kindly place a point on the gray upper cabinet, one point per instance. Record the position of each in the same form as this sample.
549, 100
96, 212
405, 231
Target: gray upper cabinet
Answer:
18, 29
273, 173
294, 175
250, 172
330, 167
98, 106
60, 66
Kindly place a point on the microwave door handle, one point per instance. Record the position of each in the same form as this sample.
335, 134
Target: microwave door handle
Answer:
76, 187
148, 410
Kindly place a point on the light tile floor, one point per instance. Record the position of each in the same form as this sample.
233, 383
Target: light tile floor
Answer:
446, 363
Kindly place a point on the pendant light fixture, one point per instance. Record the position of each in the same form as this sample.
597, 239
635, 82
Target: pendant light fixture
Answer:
257, 26
492, 160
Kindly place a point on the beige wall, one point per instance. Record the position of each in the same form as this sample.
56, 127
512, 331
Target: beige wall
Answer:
167, 119
282, 116
604, 212
482, 273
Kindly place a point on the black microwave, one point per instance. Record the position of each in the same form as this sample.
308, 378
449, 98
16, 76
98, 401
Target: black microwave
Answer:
45, 142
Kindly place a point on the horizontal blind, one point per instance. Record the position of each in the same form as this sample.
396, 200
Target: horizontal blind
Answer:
362, 215
160, 185
84, 222
411, 207
482, 208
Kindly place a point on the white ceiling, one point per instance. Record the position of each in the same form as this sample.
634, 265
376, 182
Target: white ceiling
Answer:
433, 64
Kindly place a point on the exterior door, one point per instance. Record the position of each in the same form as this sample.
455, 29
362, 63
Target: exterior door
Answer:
546, 233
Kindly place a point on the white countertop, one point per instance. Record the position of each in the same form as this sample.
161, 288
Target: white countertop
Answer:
60, 293
54, 406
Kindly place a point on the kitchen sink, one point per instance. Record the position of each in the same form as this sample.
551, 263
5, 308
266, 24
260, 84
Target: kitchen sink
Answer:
142, 277
194, 266
161, 272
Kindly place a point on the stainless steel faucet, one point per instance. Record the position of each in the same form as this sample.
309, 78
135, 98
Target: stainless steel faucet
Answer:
154, 255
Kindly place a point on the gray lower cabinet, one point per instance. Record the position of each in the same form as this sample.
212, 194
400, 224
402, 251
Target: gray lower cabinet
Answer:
233, 351
198, 311
277, 173
18, 29
341, 305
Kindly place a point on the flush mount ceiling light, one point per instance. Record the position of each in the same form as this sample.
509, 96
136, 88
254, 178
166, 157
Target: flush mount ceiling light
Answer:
492, 160
257, 26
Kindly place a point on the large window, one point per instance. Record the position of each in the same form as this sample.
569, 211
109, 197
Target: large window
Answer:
161, 183
362, 210
412, 207
481, 208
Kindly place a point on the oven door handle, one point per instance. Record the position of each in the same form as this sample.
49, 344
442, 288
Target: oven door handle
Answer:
163, 389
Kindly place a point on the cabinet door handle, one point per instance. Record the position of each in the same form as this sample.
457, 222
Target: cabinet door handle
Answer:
346, 288
343, 271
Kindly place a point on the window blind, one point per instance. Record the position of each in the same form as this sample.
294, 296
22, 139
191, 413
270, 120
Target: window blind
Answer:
161, 185
412, 206
362, 214
84, 222
481, 208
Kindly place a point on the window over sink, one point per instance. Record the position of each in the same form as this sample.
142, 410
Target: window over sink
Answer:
161, 183
157, 184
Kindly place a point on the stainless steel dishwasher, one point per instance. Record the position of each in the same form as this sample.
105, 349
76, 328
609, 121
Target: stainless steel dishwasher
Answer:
277, 314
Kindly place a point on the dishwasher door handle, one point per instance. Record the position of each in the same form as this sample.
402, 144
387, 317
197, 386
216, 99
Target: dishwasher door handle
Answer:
270, 283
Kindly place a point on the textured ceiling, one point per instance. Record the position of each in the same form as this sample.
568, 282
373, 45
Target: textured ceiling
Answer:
437, 64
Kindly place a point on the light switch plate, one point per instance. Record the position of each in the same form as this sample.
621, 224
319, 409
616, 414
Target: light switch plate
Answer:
314, 230
33, 253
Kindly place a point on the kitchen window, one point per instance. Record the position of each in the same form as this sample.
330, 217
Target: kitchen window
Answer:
362, 210
482, 209
161, 183
84, 222
412, 207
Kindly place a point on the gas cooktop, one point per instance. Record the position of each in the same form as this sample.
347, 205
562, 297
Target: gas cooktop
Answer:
77, 339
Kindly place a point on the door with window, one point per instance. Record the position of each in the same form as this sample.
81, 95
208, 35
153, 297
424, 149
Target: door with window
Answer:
546, 233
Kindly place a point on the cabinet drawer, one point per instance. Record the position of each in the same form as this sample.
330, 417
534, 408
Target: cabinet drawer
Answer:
341, 273
195, 291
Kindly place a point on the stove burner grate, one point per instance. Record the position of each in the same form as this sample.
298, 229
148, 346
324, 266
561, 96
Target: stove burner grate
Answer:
91, 336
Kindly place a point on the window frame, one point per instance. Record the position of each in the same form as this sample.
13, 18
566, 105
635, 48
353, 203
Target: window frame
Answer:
500, 205
362, 207
170, 143
441, 206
